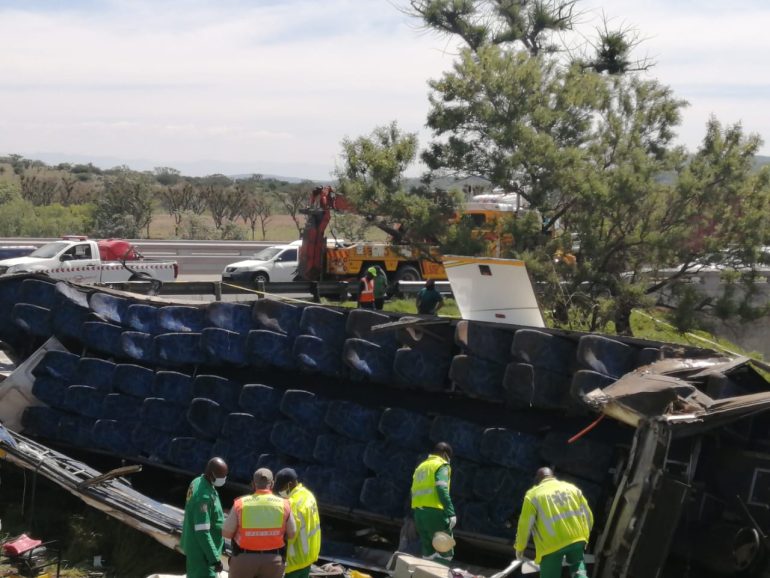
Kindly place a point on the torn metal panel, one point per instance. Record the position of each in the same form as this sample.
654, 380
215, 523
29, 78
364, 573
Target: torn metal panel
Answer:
620, 545
673, 390
109, 494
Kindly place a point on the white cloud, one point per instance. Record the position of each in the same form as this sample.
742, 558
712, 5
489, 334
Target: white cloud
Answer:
282, 82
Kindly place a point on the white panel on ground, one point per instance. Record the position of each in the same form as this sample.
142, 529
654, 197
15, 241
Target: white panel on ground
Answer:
498, 290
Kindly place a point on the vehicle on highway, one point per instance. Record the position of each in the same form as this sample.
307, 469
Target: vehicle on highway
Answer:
275, 263
84, 260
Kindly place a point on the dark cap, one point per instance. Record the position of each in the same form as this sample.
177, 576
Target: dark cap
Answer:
285, 476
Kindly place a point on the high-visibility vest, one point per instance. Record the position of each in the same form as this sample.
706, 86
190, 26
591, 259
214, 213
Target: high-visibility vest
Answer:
367, 293
261, 521
304, 548
557, 514
424, 494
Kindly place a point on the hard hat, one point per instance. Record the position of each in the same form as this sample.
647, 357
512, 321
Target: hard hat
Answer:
373, 271
442, 542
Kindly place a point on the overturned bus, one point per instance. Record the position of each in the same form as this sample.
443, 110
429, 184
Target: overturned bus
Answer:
669, 443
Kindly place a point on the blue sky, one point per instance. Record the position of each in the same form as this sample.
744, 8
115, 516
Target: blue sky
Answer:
272, 86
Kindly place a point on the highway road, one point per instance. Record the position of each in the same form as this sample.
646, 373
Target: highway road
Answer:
198, 260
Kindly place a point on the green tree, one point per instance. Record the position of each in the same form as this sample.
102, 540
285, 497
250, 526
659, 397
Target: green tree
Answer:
590, 149
125, 206
371, 178
167, 176
21, 218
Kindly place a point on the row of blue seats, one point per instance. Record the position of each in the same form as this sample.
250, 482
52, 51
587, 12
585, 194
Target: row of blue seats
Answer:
268, 333
207, 402
338, 467
217, 404
524, 367
532, 368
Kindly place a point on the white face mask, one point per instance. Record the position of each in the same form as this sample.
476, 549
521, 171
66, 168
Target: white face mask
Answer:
219, 482
284, 493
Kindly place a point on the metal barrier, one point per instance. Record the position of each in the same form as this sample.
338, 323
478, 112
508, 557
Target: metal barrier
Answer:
413, 287
335, 290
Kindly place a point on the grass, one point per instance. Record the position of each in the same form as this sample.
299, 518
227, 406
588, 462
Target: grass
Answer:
653, 325
405, 306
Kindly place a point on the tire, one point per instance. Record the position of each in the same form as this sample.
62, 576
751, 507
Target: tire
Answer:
407, 273
260, 276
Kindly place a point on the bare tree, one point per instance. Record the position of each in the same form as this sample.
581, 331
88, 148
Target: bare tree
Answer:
292, 200
67, 186
38, 190
217, 190
257, 208
180, 198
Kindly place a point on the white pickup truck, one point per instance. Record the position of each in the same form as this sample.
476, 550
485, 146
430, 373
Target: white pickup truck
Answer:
84, 260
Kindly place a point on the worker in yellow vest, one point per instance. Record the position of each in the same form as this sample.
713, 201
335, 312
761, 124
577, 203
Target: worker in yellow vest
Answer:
431, 503
259, 526
557, 514
302, 550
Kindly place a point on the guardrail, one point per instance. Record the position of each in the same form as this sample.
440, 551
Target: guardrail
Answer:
336, 290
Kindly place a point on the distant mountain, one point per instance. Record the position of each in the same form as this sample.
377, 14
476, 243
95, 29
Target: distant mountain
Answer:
199, 168
275, 177
760, 161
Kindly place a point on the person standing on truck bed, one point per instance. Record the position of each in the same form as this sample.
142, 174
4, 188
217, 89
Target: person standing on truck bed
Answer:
558, 516
302, 550
380, 286
201, 540
259, 525
366, 290
429, 300
431, 503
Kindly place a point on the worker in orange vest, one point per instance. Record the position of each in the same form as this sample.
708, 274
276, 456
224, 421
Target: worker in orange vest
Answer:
366, 291
259, 525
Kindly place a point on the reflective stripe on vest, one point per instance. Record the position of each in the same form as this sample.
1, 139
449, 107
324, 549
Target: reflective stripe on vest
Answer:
424, 494
367, 294
561, 516
261, 522
305, 547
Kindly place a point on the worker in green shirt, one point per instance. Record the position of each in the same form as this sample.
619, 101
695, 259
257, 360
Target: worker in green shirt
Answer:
431, 503
380, 286
429, 300
202, 540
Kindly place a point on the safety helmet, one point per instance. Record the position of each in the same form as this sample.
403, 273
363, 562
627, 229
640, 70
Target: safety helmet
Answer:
443, 542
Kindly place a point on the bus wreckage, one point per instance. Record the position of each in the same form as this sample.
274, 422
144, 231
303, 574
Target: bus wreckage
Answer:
669, 443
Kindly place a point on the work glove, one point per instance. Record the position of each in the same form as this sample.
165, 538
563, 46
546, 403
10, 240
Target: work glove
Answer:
452, 522
218, 566
520, 554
